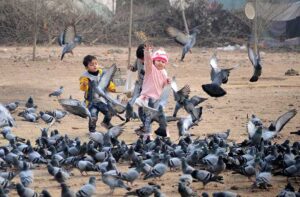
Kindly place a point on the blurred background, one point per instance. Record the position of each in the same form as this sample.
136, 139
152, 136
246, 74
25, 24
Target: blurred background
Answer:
221, 22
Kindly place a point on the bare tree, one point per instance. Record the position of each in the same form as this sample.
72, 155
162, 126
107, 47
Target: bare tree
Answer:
182, 5
34, 30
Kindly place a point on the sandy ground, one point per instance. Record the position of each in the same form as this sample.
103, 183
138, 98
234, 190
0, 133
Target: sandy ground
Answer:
271, 96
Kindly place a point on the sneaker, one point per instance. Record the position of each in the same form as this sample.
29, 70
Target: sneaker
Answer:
107, 126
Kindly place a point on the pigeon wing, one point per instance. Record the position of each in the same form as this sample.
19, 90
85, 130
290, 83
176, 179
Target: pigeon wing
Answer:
107, 77
252, 56
179, 36
69, 34
61, 39
163, 97
282, 120
74, 107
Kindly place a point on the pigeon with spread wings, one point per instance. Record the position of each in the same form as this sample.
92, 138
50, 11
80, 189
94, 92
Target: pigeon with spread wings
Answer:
186, 40
255, 60
218, 76
100, 89
68, 39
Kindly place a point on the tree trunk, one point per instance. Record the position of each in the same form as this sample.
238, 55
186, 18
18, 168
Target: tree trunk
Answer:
129, 74
184, 19
34, 30
256, 29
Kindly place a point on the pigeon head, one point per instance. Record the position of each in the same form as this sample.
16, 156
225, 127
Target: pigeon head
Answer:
92, 180
78, 39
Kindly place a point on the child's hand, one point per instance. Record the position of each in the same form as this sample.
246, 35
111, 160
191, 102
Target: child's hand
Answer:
148, 47
169, 80
130, 67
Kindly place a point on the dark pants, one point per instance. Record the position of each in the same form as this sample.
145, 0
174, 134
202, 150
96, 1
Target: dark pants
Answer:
94, 109
146, 120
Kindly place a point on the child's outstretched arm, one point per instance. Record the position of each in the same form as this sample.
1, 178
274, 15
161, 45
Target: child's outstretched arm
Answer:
148, 59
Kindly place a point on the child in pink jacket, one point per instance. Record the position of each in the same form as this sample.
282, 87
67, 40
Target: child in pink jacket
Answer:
155, 78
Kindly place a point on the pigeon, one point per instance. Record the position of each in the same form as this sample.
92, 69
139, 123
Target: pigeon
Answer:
101, 89
30, 103
218, 167
225, 194
5, 117
184, 124
130, 114
263, 180
158, 170
61, 176
30, 117
8, 175
158, 193
162, 123
113, 182
84, 166
274, 128
26, 176
57, 92
186, 168
2, 193
12, 106
130, 176
65, 191
218, 76
75, 107
25, 191
144, 191
185, 191
222, 135
45, 193
246, 170
289, 190
255, 61
206, 177
58, 114
4, 183
88, 189
27, 110
188, 41
8, 135
46, 117
69, 39
179, 95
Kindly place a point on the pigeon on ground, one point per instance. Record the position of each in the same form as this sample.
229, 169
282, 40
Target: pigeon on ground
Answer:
30, 103
5, 117
12, 106
57, 92
25, 191
206, 177
88, 189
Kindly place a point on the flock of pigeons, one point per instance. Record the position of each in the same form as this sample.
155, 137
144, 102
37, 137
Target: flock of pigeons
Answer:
201, 161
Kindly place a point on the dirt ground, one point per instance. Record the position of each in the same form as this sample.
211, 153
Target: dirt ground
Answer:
271, 96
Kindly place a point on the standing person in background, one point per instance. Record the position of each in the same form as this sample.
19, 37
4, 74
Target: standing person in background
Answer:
139, 67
